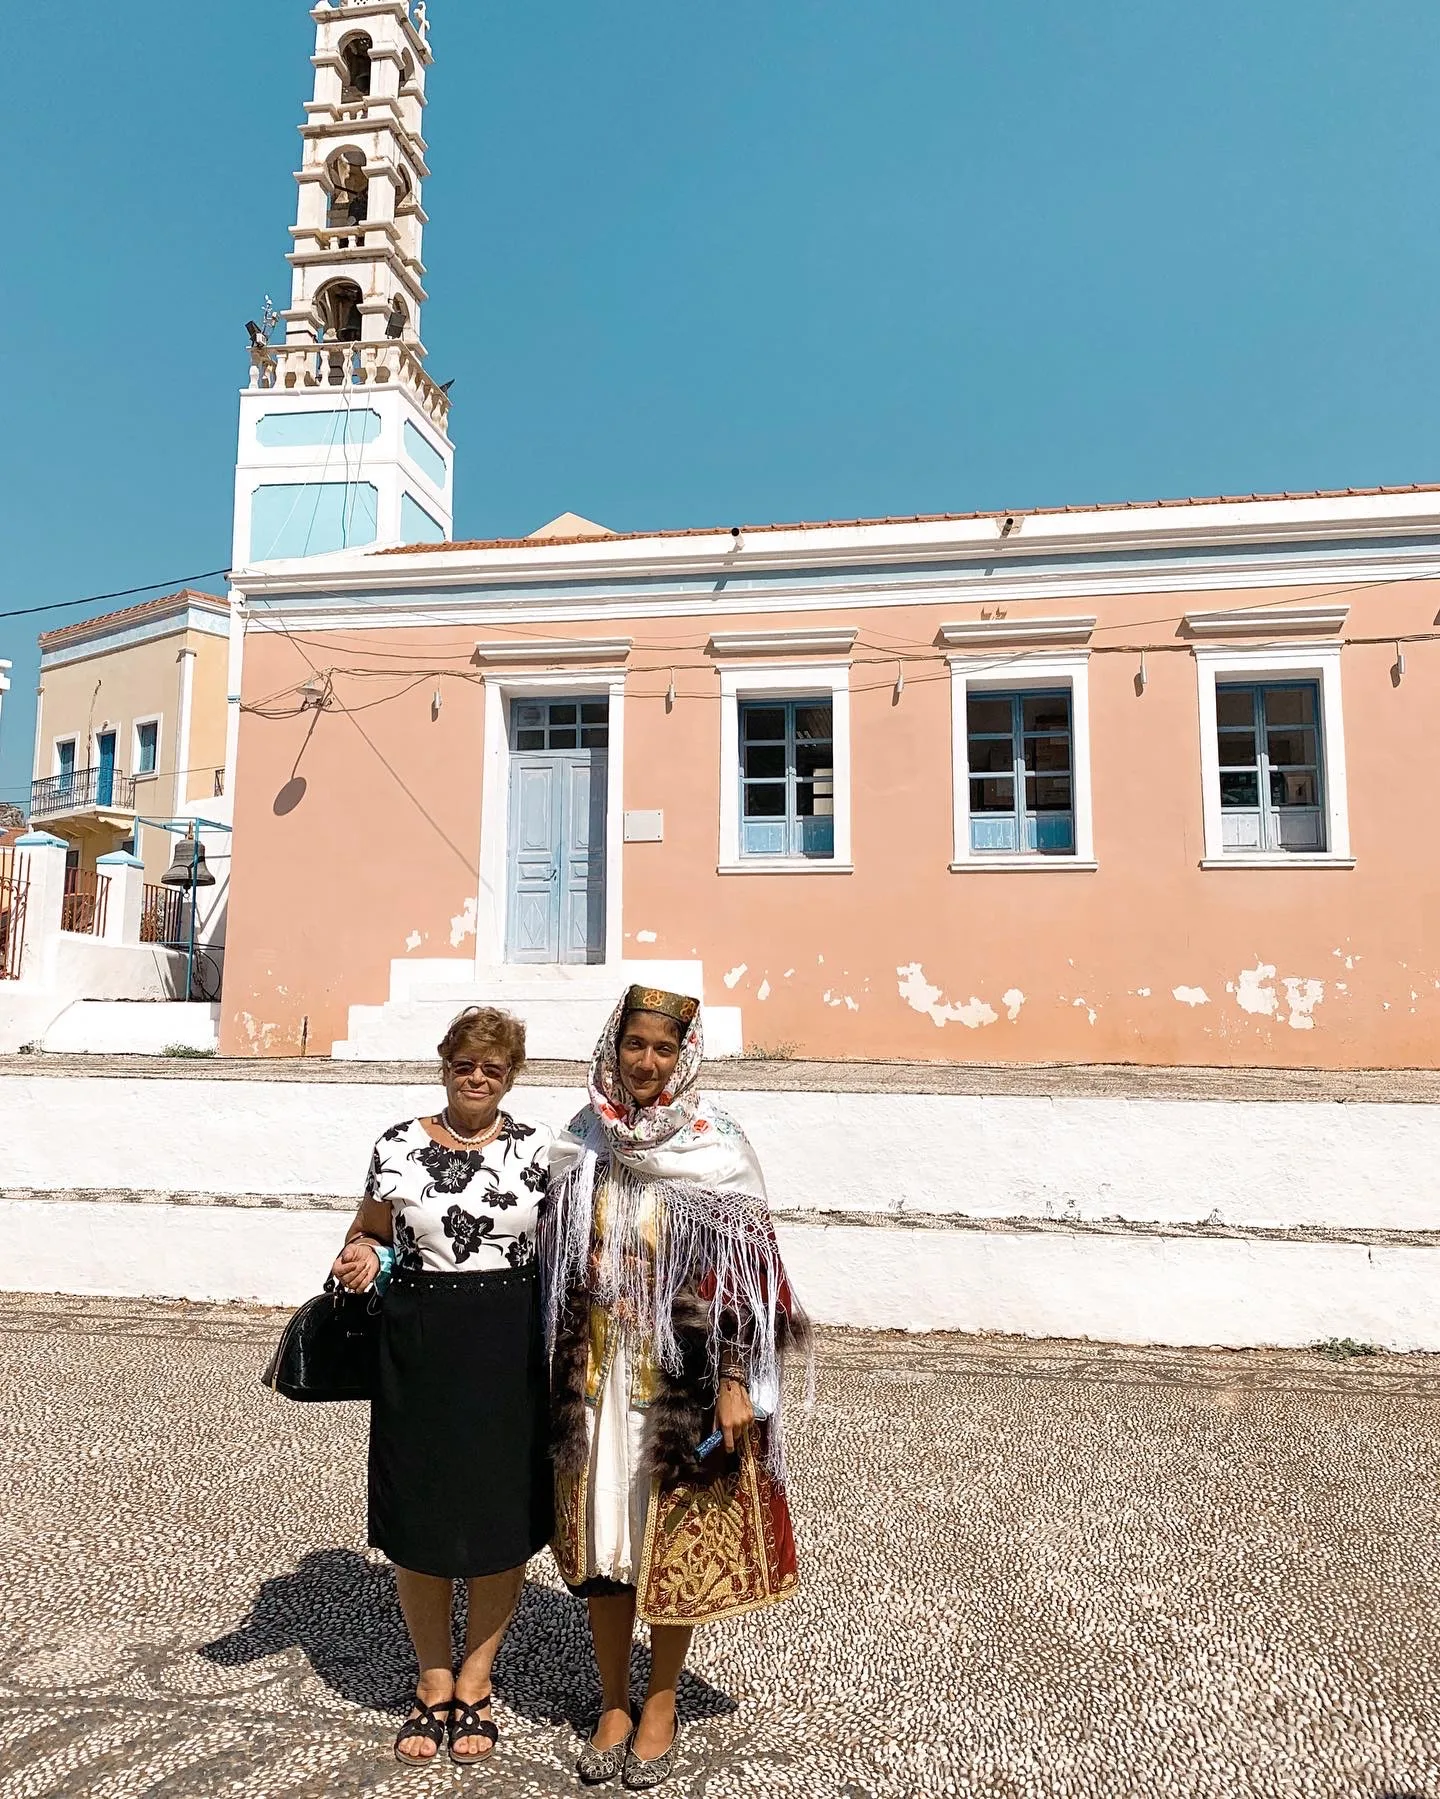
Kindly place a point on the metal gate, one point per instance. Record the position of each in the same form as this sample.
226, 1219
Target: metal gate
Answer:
14, 893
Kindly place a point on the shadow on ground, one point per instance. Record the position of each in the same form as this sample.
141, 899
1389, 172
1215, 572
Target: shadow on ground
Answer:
343, 1614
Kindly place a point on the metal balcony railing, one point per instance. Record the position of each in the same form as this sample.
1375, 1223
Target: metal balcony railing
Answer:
86, 790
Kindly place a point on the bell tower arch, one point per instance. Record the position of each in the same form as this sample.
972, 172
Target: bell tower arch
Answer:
344, 436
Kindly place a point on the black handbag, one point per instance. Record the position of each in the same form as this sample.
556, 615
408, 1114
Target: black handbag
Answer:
330, 1348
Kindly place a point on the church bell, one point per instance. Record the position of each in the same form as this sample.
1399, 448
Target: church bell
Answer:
189, 859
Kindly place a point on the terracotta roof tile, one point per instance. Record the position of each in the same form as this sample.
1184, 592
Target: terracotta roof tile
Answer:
130, 615
918, 518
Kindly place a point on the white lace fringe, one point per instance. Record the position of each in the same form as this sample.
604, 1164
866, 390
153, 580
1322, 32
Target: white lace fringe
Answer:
698, 1230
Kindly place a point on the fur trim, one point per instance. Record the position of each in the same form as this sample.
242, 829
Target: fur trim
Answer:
569, 1436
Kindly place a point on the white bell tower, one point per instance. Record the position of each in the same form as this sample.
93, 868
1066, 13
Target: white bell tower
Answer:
343, 439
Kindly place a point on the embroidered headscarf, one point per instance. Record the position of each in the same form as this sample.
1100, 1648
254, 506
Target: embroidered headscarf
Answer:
711, 1230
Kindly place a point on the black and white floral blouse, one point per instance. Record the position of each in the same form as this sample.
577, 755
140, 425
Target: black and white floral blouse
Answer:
461, 1209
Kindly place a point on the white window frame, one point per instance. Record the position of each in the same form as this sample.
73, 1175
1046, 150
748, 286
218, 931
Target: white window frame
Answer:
1009, 674
787, 681
1310, 662
501, 691
151, 718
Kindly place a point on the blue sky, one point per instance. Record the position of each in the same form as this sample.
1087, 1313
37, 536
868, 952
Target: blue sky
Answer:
778, 259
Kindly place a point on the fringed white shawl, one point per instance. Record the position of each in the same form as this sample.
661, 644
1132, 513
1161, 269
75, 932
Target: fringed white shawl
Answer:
711, 1221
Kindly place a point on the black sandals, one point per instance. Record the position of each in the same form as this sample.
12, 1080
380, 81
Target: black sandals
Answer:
465, 1721
427, 1726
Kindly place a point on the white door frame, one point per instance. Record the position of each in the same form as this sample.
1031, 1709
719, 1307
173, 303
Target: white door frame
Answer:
500, 691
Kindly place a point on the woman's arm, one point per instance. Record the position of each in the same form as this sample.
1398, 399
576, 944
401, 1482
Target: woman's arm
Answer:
357, 1264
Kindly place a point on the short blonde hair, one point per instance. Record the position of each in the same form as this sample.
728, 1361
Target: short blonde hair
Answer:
481, 1028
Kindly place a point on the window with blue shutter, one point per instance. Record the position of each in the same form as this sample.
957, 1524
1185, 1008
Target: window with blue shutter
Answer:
787, 778
1022, 793
1271, 785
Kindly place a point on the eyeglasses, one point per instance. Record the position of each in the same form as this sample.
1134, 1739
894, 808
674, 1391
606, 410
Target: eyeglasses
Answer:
496, 1073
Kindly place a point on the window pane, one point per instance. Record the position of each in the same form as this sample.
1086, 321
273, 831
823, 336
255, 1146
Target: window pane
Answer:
989, 712
766, 759
763, 724
1290, 747
991, 755
594, 737
1289, 705
1047, 793
993, 794
814, 759
1237, 749
993, 831
767, 839
1234, 706
561, 715
1045, 711
1294, 789
1047, 752
528, 712
595, 712
817, 836
814, 723
764, 799
562, 740
815, 798
1240, 790
529, 740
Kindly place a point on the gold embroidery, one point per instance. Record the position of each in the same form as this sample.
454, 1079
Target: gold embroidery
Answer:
568, 1543
710, 1549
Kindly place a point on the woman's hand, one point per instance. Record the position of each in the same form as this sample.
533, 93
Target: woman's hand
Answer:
733, 1412
357, 1265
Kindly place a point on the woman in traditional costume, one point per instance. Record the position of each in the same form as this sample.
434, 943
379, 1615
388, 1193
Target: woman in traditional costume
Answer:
668, 1312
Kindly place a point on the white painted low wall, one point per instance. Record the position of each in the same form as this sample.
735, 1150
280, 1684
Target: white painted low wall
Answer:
75, 968
1116, 1289
1161, 1161
94, 1027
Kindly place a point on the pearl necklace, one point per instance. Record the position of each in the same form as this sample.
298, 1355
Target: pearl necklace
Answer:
479, 1140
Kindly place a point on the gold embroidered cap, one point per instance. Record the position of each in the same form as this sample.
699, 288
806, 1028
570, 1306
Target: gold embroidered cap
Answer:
669, 1005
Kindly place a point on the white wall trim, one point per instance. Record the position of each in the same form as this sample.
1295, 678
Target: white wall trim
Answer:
234, 689
1317, 662
186, 658
794, 681
548, 650
1267, 620
500, 691
1026, 669
783, 643
975, 632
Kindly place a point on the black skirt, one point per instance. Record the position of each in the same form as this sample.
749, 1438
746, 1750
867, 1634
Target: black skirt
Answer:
460, 1475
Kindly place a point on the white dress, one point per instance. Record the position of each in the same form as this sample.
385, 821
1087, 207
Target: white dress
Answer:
461, 1210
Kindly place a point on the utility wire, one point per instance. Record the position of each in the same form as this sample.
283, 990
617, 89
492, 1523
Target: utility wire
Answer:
124, 593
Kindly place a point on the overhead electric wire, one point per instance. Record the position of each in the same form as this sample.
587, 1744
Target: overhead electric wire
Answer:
124, 593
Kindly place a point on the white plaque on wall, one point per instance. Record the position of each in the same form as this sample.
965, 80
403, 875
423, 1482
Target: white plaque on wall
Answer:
644, 827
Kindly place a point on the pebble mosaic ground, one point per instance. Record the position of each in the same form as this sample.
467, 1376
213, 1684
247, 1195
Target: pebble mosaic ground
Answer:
1035, 1571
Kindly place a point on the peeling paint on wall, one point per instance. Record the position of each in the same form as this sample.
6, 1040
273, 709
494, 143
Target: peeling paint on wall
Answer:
1253, 991
840, 999
645, 937
414, 940
736, 975
1012, 1002
1303, 996
1190, 996
920, 996
1085, 1006
764, 990
462, 925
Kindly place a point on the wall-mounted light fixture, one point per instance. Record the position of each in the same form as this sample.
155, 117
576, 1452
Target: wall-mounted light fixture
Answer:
670, 693
1008, 526
899, 680
1398, 672
436, 701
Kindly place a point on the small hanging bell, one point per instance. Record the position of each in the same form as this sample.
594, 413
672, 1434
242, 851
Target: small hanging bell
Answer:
188, 866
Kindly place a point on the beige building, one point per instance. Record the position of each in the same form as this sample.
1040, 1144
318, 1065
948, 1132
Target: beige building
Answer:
130, 723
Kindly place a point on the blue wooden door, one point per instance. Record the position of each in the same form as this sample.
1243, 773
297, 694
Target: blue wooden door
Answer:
105, 785
556, 900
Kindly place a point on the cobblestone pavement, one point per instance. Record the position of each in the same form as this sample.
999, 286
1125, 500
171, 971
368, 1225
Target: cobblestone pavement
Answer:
1035, 1571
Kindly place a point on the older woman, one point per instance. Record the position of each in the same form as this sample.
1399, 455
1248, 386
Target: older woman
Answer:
460, 1480
668, 1309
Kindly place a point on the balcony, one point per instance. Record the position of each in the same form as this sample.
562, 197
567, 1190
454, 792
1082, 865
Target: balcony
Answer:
302, 367
95, 792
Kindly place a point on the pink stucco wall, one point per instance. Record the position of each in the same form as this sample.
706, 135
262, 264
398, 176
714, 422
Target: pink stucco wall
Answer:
376, 857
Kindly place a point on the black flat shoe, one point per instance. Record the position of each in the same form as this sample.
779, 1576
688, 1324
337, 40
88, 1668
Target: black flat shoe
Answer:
465, 1721
426, 1726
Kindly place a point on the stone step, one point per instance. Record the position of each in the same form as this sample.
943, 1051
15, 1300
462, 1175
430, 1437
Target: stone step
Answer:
453, 980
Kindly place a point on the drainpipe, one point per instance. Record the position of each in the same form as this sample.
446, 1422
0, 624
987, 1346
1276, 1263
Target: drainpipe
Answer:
186, 659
